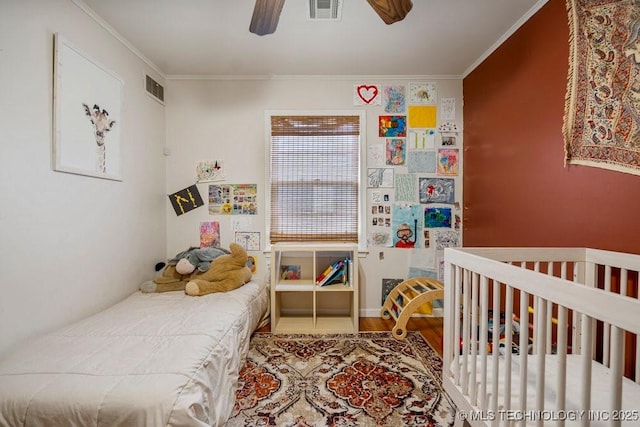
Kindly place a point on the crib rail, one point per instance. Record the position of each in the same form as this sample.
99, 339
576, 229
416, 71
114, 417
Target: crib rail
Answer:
571, 303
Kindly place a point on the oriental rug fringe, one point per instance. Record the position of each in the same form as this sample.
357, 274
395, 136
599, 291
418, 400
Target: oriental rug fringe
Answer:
368, 379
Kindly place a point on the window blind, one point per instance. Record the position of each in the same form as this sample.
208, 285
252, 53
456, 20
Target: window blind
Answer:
314, 178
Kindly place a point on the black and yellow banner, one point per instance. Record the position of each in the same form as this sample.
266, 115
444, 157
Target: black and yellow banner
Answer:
186, 200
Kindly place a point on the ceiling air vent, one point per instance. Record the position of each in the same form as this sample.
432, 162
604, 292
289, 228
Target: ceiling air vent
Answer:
324, 10
155, 89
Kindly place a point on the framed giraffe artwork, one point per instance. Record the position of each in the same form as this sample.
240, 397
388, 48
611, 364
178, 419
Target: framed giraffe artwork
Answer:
87, 111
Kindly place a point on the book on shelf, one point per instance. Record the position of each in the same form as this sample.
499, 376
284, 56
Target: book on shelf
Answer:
338, 278
348, 273
335, 267
324, 273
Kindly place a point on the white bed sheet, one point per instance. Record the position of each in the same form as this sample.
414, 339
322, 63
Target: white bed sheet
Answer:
600, 396
163, 359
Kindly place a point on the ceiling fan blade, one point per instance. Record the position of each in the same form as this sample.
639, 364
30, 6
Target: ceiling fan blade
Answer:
391, 10
265, 16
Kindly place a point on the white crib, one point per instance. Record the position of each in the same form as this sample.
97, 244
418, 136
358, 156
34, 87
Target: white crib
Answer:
575, 315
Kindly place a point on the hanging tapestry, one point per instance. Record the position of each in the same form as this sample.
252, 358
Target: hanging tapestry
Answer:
602, 110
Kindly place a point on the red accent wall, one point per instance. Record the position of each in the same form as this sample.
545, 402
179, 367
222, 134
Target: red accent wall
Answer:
517, 191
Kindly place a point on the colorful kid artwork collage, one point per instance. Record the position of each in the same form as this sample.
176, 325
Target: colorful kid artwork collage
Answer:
223, 199
412, 168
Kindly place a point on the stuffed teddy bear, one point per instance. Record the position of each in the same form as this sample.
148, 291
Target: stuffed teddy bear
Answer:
226, 272
182, 268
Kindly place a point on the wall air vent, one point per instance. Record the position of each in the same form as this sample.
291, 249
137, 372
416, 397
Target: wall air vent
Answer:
154, 89
324, 10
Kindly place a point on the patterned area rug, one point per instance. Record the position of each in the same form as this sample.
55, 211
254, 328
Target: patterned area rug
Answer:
369, 379
602, 110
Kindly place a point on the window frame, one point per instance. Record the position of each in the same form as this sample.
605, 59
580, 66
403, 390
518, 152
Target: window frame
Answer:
362, 241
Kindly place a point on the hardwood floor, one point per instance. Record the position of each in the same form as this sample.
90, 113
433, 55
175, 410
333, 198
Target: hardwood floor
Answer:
429, 327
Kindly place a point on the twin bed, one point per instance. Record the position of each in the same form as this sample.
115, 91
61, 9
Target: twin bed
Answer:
165, 359
544, 336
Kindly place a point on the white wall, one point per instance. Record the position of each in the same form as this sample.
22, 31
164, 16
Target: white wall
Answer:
70, 245
224, 120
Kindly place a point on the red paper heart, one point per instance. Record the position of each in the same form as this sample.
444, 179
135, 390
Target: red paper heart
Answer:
367, 93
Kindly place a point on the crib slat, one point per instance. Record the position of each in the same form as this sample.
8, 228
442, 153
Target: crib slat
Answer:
605, 326
508, 308
541, 334
576, 340
624, 291
496, 345
524, 344
624, 276
561, 396
548, 317
465, 332
586, 344
638, 347
453, 337
590, 279
637, 362
549, 328
484, 333
616, 372
474, 337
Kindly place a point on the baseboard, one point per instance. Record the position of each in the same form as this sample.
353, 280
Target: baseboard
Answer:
372, 312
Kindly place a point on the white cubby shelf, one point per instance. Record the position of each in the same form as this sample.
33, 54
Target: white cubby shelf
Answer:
300, 305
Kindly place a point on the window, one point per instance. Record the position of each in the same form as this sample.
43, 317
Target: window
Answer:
314, 177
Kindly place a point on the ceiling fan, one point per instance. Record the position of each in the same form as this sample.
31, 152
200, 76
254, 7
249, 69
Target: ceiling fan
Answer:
267, 12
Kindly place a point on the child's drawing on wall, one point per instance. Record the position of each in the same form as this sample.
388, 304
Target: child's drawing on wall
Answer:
380, 177
406, 225
394, 99
447, 239
437, 217
395, 151
392, 126
448, 161
404, 235
421, 139
422, 93
436, 190
379, 237
209, 234
210, 170
448, 140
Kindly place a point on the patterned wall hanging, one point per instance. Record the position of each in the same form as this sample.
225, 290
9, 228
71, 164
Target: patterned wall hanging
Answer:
602, 110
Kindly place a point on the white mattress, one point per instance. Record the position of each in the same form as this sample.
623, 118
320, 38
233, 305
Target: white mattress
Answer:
150, 360
600, 397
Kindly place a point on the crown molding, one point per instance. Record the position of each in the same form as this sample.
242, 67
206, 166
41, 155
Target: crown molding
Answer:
104, 24
314, 77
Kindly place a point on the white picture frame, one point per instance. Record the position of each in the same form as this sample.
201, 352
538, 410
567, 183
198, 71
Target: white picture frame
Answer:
87, 108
